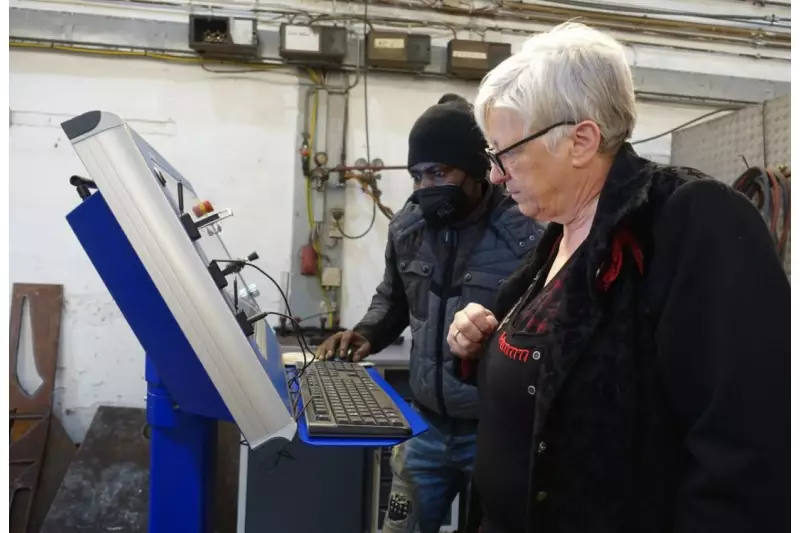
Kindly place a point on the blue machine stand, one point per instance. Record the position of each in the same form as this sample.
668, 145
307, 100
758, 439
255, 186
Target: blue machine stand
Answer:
183, 406
204, 361
182, 455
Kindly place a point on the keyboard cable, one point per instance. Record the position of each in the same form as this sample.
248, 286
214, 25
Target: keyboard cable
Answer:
304, 348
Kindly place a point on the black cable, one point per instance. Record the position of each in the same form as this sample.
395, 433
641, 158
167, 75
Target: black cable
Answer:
364, 233
366, 136
304, 347
366, 97
309, 317
644, 11
686, 124
303, 342
280, 454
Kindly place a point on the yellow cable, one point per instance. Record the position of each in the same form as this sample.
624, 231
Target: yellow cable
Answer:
312, 131
144, 54
195, 60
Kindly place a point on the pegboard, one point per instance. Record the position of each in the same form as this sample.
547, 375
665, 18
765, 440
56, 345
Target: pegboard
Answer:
716, 147
720, 147
778, 114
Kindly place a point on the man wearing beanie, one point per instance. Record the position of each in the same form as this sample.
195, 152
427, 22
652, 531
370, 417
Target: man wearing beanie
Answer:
454, 242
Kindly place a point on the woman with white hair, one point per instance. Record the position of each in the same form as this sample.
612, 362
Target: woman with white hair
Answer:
636, 375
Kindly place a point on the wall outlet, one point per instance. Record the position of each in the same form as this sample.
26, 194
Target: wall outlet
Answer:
331, 277
334, 232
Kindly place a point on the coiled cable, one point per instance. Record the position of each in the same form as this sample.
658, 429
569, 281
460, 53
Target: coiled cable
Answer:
768, 189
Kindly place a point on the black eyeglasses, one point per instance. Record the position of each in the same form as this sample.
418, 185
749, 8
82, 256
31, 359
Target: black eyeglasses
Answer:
494, 157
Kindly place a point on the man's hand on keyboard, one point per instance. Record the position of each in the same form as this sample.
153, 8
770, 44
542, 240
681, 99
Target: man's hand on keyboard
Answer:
347, 345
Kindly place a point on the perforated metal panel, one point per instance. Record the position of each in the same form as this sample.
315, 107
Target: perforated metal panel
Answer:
778, 115
716, 147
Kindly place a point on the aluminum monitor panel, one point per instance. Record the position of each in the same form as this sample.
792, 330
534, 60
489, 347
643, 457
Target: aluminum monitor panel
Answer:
129, 173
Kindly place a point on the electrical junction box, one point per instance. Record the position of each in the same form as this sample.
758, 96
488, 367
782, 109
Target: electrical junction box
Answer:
313, 45
474, 59
331, 277
223, 37
398, 50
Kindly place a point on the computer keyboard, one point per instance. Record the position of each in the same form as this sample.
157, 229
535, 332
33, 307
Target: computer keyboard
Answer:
341, 399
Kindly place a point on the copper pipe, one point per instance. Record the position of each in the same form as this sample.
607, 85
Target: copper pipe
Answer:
367, 168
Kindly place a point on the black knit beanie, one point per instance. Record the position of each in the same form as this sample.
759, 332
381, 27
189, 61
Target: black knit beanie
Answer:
448, 134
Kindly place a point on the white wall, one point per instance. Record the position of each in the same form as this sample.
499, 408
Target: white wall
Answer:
392, 112
235, 138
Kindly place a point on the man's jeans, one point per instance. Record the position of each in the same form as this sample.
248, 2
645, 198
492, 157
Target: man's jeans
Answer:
428, 472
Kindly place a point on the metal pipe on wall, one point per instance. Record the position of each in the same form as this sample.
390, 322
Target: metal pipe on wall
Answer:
277, 66
537, 13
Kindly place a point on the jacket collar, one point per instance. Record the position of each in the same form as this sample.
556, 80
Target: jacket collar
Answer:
484, 205
626, 189
409, 219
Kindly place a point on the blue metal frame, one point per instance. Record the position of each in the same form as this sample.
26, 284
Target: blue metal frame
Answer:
182, 403
182, 450
142, 306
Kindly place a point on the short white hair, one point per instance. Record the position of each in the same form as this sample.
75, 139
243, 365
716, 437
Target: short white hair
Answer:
570, 73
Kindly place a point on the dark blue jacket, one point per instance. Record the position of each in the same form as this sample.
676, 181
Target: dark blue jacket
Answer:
430, 275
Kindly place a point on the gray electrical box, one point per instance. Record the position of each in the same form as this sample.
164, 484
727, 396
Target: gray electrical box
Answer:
313, 45
474, 59
396, 50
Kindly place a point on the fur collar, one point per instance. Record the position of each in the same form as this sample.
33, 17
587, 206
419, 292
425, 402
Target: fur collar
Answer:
626, 189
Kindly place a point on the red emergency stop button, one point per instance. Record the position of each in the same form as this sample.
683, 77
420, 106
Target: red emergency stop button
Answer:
203, 208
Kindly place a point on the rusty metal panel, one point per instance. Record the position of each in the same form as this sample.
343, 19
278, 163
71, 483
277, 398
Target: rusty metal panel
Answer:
58, 455
30, 411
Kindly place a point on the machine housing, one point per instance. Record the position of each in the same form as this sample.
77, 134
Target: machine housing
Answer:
134, 229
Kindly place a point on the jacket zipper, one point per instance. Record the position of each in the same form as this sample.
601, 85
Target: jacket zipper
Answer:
449, 239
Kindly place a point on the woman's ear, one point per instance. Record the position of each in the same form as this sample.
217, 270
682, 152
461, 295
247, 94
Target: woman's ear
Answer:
586, 140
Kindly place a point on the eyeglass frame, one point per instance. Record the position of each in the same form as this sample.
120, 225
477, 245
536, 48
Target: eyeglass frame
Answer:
494, 157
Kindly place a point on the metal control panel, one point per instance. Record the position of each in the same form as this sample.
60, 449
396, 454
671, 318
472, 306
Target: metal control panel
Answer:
158, 246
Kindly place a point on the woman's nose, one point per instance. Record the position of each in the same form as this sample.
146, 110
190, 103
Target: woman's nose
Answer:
497, 177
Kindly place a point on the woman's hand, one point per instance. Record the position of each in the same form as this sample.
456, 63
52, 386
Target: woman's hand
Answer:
471, 326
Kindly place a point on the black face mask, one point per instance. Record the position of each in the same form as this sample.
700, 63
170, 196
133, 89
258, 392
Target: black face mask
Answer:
441, 205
